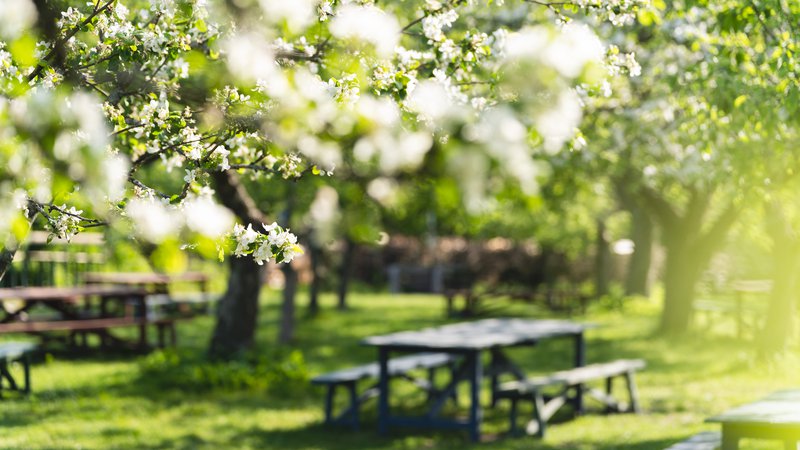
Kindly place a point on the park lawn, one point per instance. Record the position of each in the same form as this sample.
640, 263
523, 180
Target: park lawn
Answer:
113, 401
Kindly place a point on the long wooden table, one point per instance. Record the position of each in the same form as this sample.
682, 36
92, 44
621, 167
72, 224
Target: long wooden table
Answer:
471, 340
157, 282
79, 309
775, 417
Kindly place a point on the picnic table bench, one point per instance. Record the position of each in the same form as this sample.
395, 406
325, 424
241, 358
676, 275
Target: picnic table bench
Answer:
76, 312
707, 440
746, 306
775, 417
398, 367
158, 285
569, 380
11, 352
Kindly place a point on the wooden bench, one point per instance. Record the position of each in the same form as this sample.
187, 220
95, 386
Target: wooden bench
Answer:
570, 380
16, 351
707, 440
398, 367
164, 325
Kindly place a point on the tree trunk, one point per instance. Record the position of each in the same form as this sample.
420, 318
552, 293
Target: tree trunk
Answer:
780, 319
237, 312
636, 279
315, 254
602, 262
286, 332
6, 258
345, 270
681, 272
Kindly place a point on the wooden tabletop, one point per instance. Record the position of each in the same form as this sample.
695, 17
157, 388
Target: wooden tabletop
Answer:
780, 408
44, 293
480, 334
140, 278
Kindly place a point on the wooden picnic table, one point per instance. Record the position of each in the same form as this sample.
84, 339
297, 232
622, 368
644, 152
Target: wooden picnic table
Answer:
157, 282
775, 417
75, 311
470, 340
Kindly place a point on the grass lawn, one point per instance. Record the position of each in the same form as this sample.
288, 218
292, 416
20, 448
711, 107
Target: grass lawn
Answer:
118, 401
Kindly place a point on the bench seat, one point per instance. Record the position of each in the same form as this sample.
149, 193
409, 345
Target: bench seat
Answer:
569, 381
16, 351
398, 367
707, 440
93, 324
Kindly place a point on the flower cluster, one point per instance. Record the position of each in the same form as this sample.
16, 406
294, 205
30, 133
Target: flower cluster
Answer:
274, 243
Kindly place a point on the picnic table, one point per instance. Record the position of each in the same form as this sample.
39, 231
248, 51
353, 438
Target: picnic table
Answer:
470, 340
79, 310
775, 417
157, 284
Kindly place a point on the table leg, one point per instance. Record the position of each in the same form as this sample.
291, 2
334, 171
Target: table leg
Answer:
142, 303
730, 439
383, 390
475, 414
580, 360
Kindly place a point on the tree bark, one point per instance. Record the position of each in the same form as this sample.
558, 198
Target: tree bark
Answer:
286, 331
602, 262
690, 240
636, 278
780, 321
237, 311
681, 272
345, 270
315, 254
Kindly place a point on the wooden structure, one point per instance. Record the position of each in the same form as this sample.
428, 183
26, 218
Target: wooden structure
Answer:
775, 417
469, 340
740, 307
43, 261
707, 440
398, 367
159, 286
9, 353
81, 311
544, 407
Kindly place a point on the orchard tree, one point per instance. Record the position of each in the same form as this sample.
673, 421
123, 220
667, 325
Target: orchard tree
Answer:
147, 114
704, 132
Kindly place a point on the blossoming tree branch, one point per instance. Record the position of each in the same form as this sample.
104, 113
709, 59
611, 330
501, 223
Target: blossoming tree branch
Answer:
123, 113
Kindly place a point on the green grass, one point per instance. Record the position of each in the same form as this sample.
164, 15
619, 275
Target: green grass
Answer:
112, 401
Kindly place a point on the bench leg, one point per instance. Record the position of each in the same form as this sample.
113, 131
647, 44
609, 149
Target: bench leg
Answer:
538, 403
329, 403
26, 366
512, 426
354, 404
161, 331
632, 392
453, 375
432, 381
4, 372
609, 392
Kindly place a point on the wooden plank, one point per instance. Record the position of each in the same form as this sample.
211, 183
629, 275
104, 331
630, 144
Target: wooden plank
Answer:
138, 278
14, 350
575, 376
477, 335
77, 325
52, 293
397, 366
707, 440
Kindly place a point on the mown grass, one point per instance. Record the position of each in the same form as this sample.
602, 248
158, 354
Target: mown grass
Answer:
127, 401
